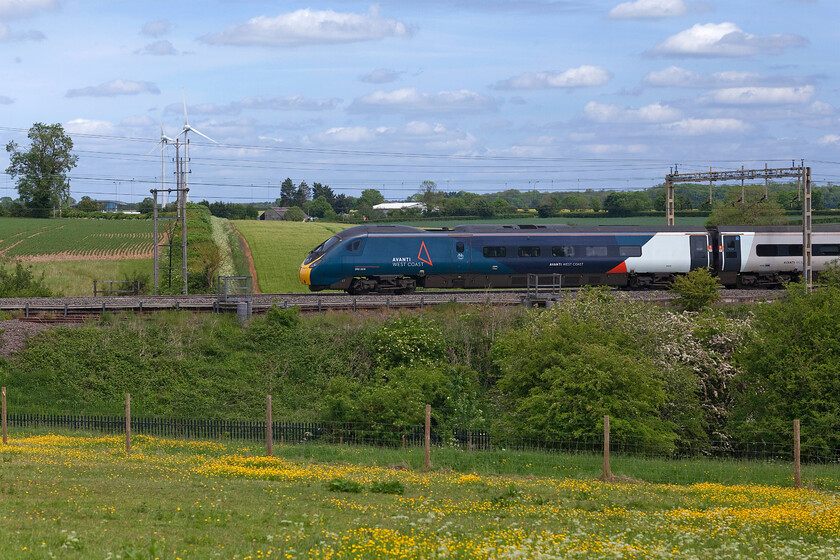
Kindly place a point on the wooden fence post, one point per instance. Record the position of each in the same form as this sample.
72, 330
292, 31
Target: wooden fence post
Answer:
607, 474
5, 435
269, 431
428, 438
128, 423
797, 473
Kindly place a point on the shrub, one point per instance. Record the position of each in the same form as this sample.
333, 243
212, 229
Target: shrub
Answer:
22, 282
697, 290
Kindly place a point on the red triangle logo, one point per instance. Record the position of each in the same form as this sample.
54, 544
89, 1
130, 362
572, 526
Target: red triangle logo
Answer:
423, 255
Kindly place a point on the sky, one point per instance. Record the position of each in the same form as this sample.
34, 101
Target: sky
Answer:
475, 95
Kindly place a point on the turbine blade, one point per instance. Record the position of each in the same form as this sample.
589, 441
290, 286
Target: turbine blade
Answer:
154, 148
204, 135
186, 122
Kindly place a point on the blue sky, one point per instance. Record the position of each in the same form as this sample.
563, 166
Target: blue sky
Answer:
476, 95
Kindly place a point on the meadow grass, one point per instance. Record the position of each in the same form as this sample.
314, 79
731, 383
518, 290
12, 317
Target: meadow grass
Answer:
75, 278
278, 249
81, 496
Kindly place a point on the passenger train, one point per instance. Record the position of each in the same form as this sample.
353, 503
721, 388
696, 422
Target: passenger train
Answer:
397, 259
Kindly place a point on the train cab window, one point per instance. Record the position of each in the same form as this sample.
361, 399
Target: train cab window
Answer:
529, 251
767, 250
494, 252
354, 246
459, 246
826, 250
629, 251
567, 251
596, 251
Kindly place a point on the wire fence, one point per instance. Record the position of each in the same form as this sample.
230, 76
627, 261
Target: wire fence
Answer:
465, 450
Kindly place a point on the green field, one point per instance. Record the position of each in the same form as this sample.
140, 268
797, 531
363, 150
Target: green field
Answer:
72, 253
27, 237
71, 496
278, 248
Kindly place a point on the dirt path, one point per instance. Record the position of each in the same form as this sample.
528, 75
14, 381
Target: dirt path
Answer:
252, 270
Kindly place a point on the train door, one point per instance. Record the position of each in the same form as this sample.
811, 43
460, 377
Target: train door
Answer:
699, 251
460, 255
731, 246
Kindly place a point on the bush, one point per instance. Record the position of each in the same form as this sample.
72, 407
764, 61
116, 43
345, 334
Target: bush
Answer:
22, 282
697, 290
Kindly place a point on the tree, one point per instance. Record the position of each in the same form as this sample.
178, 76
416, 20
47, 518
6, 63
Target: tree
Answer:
87, 204
371, 197
41, 172
750, 212
287, 193
323, 190
320, 207
146, 206
302, 194
294, 214
431, 198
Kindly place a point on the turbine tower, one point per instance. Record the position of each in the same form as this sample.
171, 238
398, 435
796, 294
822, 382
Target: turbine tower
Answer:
163, 142
187, 128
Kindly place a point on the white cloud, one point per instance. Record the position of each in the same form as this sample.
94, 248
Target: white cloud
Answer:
7, 34
156, 28
114, 88
432, 136
309, 27
258, 103
381, 76
829, 140
656, 112
18, 9
409, 100
615, 148
649, 9
762, 95
724, 40
87, 126
582, 76
158, 48
697, 127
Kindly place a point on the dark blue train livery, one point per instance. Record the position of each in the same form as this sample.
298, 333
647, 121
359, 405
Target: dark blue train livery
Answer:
398, 259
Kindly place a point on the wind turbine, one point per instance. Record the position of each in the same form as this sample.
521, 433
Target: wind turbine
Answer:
163, 142
187, 128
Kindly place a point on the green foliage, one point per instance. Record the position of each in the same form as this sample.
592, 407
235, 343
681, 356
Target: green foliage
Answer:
20, 281
294, 214
344, 485
791, 370
697, 289
561, 376
387, 487
408, 340
754, 211
41, 172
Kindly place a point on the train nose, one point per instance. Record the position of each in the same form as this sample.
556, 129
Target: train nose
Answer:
304, 274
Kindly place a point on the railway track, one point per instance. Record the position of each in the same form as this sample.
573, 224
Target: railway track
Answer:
78, 309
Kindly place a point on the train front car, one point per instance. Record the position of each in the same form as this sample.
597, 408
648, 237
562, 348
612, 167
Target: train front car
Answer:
371, 258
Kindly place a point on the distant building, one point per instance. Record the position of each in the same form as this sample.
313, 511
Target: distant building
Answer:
386, 207
275, 213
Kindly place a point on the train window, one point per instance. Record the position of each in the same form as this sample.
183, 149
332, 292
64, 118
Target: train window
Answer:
823, 250
596, 251
794, 250
767, 250
459, 246
629, 251
529, 251
354, 246
494, 252
567, 251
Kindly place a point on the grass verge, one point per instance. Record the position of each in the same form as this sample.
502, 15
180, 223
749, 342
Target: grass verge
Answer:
82, 497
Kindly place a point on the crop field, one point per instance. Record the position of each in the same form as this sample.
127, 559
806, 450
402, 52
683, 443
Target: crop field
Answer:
73, 496
32, 240
278, 248
73, 252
